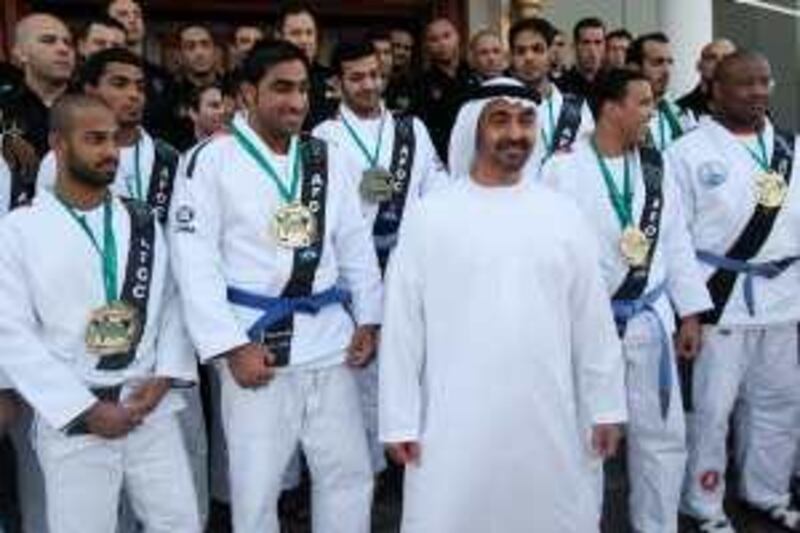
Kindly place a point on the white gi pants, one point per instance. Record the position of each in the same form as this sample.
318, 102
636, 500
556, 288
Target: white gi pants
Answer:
656, 446
316, 408
85, 475
758, 366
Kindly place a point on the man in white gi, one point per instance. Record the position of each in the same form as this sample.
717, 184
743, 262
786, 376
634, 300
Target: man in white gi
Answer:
498, 343
147, 166
258, 259
146, 172
563, 118
738, 176
651, 55
391, 162
630, 198
92, 339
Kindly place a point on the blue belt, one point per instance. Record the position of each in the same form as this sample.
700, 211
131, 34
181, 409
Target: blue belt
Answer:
767, 269
624, 311
277, 309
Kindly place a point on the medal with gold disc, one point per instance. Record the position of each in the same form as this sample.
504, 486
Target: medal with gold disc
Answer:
377, 183
112, 328
771, 187
294, 224
634, 245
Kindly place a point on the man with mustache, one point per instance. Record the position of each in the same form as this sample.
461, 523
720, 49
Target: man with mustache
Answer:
500, 369
93, 341
629, 197
392, 163
650, 54
738, 174
266, 226
145, 172
147, 166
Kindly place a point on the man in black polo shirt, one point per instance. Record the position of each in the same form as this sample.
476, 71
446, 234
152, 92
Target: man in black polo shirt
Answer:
441, 89
297, 23
43, 45
589, 37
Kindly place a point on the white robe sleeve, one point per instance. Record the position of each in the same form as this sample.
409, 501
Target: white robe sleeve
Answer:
195, 227
174, 353
44, 381
355, 253
402, 350
597, 354
433, 172
686, 285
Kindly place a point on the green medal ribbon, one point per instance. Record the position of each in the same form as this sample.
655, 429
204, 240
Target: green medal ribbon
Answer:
667, 117
108, 252
622, 202
549, 143
372, 159
288, 194
760, 158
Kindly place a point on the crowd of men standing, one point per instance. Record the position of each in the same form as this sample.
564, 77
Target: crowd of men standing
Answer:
493, 266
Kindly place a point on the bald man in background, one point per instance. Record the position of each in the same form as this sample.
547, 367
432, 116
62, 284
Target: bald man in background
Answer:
697, 101
43, 48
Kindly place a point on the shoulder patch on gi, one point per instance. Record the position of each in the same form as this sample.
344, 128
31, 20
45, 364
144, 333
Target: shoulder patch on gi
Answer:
184, 219
712, 173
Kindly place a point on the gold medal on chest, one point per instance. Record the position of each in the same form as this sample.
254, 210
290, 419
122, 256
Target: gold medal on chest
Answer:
771, 189
112, 329
634, 246
295, 226
376, 185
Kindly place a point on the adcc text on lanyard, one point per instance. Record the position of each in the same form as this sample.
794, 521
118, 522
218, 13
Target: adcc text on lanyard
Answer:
372, 159
108, 251
288, 194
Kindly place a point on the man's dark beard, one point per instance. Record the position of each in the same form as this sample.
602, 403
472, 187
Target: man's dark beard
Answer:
89, 176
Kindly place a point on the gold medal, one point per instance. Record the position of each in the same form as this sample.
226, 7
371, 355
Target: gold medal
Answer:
376, 185
295, 226
112, 329
635, 246
771, 189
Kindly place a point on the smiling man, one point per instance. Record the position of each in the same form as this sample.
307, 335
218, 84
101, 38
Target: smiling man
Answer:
738, 175
147, 165
259, 259
492, 413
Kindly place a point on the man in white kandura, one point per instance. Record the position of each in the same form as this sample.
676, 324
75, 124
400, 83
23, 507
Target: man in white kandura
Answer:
265, 224
93, 339
498, 343
738, 175
631, 200
392, 163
